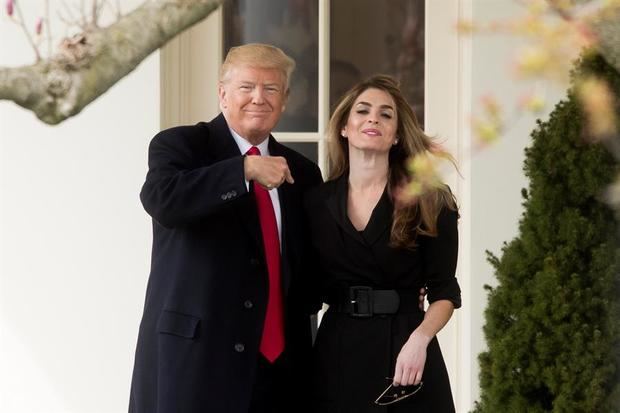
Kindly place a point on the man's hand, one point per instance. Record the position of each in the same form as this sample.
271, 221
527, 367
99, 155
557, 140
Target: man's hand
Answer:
421, 298
268, 171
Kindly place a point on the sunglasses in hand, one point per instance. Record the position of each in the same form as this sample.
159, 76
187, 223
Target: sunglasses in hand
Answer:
394, 394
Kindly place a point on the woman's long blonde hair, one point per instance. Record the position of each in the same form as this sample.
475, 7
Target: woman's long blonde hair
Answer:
412, 219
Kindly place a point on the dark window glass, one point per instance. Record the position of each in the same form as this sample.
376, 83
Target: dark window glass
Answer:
293, 27
378, 36
308, 149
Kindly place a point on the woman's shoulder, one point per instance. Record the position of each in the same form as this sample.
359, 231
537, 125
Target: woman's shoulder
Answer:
317, 195
448, 211
319, 192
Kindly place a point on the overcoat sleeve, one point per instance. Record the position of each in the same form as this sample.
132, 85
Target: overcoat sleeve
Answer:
440, 256
181, 186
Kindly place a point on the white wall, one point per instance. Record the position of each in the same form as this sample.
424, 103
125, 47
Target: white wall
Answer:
496, 172
74, 243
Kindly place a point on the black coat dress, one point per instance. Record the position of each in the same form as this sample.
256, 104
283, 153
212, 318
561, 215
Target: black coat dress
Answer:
353, 356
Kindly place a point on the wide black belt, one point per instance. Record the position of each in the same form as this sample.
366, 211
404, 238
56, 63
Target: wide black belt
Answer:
364, 301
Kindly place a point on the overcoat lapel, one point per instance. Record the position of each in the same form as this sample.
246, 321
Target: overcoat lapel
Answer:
221, 143
223, 146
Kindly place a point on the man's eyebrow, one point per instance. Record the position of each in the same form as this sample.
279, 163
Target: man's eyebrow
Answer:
250, 82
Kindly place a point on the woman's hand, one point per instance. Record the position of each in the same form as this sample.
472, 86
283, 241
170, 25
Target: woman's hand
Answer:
411, 359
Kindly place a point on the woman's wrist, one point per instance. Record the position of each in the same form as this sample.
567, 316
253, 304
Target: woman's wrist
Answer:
421, 336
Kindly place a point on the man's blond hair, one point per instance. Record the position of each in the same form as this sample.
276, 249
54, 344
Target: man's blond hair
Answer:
257, 55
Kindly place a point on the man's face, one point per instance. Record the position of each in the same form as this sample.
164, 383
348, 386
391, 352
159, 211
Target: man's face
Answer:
252, 101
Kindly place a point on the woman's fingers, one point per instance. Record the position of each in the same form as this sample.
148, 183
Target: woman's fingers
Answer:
418, 378
398, 374
406, 375
410, 378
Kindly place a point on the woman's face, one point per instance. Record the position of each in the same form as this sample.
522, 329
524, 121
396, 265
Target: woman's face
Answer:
372, 122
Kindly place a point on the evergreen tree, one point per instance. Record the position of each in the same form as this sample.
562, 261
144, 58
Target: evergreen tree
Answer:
553, 321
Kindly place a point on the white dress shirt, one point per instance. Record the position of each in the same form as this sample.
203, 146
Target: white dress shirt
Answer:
263, 147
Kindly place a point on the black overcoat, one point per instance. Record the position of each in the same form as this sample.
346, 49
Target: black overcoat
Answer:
353, 356
207, 291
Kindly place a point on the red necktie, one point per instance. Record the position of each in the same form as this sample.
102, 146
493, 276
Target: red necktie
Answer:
272, 342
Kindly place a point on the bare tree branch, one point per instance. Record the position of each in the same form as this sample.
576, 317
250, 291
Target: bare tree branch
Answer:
95, 13
22, 23
113, 8
48, 28
119, 13
607, 30
604, 23
90, 63
561, 8
83, 14
101, 6
70, 20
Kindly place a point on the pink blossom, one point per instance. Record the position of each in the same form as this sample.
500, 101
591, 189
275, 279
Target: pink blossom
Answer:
9, 7
38, 26
533, 102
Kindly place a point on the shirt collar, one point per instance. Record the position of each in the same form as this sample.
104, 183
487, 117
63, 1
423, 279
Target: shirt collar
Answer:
244, 145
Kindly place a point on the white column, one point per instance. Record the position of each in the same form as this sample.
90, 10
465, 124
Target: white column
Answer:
447, 105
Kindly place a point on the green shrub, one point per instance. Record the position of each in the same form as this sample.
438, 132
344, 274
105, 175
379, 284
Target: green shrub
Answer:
553, 320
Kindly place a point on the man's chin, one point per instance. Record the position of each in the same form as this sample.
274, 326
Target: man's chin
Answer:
260, 128
256, 136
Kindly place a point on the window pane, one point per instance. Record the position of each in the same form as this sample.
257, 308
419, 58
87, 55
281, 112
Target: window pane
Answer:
308, 149
293, 27
377, 36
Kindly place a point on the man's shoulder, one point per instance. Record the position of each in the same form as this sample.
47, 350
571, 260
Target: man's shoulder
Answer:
199, 134
183, 134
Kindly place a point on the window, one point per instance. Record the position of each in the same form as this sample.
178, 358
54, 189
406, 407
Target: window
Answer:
374, 36
364, 37
293, 27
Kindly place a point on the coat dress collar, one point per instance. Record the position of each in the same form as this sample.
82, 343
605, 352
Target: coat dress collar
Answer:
380, 219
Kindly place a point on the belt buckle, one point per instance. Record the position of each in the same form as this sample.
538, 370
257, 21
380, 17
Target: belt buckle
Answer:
360, 297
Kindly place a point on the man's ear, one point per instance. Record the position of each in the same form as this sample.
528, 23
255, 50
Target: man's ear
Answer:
221, 93
286, 95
